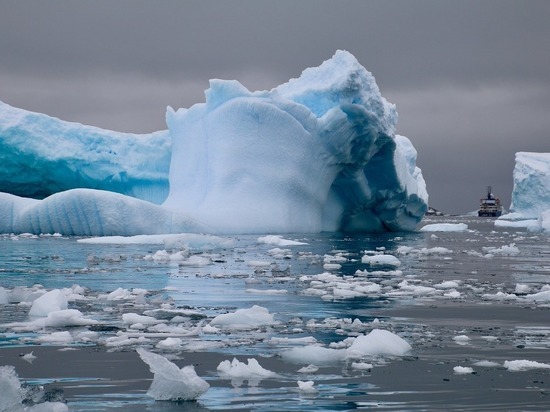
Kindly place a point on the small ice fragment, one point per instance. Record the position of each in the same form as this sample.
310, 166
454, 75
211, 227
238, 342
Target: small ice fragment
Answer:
524, 365
381, 260
250, 370
461, 339
463, 370
378, 342
309, 369
486, 364
362, 366
28, 357
306, 386
170, 383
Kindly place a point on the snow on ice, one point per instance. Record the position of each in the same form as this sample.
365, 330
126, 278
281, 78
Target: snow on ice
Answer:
316, 153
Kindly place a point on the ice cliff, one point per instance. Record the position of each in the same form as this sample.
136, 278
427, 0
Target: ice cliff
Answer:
531, 193
316, 153
41, 155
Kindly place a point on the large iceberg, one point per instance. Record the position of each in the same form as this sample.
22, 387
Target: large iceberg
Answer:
531, 194
316, 153
42, 155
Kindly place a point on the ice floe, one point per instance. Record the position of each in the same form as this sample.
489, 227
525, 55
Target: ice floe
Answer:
170, 383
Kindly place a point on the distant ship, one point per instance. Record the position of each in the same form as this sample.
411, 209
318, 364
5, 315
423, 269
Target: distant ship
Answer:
490, 206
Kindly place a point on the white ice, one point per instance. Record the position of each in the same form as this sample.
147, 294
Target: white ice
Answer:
170, 383
444, 227
316, 153
244, 319
12, 395
238, 371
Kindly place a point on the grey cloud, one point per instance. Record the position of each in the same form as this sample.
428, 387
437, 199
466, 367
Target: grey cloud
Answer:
470, 79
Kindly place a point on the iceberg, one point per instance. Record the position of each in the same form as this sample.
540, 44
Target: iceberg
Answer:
170, 383
318, 153
42, 155
530, 205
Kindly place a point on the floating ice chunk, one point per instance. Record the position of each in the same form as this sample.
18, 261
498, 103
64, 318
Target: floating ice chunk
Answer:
28, 357
522, 289
306, 386
378, 342
363, 366
12, 397
306, 340
316, 355
463, 370
505, 250
10, 388
267, 291
445, 227
195, 261
309, 369
240, 370
449, 284
524, 365
56, 338
486, 364
279, 241
120, 294
417, 290
543, 296
131, 318
66, 317
461, 339
499, 296
453, 294
51, 301
170, 383
190, 241
380, 260
125, 340
243, 319
170, 344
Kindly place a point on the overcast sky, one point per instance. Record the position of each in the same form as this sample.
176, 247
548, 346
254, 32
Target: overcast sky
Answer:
471, 79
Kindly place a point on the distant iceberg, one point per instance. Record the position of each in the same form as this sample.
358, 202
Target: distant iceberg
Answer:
530, 205
316, 153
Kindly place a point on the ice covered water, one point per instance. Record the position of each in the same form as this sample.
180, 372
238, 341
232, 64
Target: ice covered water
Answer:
304, 321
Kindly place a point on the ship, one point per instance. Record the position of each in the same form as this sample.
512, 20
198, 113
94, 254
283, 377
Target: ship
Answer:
490, 205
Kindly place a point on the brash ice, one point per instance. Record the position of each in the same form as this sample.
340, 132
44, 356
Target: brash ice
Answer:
316, 153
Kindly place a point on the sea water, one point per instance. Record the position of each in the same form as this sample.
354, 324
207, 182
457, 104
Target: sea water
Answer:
462, 299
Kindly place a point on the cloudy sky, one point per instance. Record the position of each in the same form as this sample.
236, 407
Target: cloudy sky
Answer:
471, 79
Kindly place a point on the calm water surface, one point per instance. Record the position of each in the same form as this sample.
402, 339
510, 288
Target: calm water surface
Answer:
484, 304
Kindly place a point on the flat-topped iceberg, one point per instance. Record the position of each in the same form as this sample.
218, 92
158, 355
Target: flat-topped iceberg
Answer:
530, 205
42, 155
316, 153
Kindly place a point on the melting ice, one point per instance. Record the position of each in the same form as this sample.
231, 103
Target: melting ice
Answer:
316, 153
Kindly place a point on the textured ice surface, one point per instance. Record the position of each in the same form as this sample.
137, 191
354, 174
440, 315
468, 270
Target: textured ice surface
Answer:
531, 193
250, 318
316, 153
378, 342
170, 383
12, 395
42, 155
